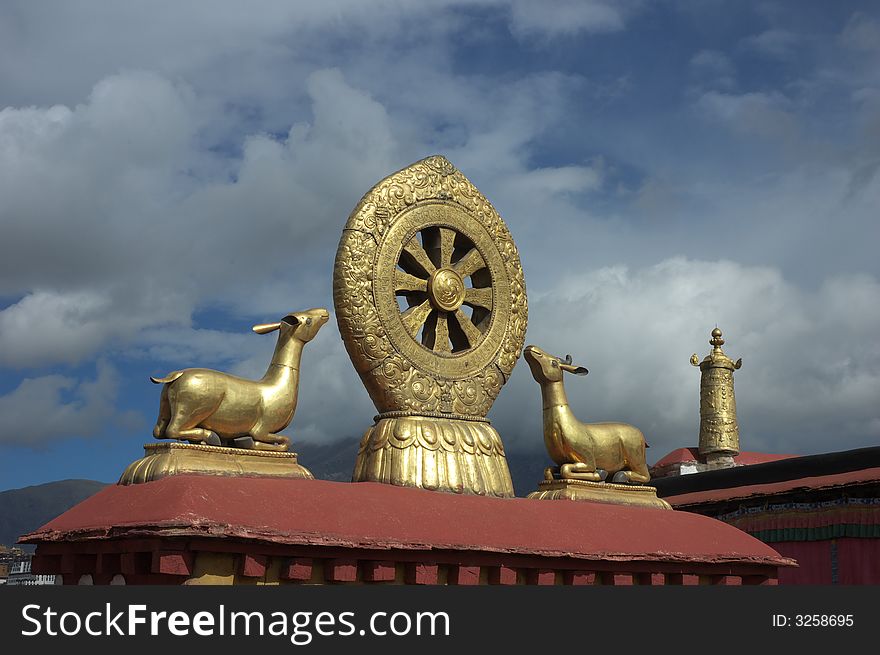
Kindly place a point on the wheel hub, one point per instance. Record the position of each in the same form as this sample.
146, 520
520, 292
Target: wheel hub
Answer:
446, 289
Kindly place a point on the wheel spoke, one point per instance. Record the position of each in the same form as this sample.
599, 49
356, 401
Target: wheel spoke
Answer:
447, 244
441, 334
406, 282
414, 255
470, 263
470, 330
415, 317
479, 297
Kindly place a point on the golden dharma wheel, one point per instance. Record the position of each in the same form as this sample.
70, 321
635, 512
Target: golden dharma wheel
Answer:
429, 294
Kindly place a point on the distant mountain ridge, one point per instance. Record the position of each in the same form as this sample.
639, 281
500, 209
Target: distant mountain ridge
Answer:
26, 509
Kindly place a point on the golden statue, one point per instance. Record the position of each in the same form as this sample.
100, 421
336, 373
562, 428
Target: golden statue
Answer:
719, 429
583, 451
431, 304
586, 453
199, 405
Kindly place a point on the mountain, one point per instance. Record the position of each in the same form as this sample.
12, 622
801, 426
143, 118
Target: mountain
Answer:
25, 510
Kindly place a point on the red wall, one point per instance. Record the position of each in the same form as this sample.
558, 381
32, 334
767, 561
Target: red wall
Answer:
858, 561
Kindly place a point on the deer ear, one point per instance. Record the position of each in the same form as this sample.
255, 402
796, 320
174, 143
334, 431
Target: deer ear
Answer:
577, 370
266, 328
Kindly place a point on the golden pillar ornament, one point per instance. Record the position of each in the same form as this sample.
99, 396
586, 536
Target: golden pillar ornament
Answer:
719, 430
431, 305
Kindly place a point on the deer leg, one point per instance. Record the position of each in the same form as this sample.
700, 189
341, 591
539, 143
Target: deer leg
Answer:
184, 429
638, 471
271, 441
164, 414
193, 435
579, 471
630, 477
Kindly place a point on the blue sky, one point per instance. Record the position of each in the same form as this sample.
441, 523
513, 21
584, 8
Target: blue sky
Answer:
173, 173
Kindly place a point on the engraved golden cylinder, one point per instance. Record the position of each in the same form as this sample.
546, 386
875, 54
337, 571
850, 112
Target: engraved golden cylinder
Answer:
719, 428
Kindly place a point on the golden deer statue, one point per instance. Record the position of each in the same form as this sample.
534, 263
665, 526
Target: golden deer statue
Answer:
583, 451
200, 405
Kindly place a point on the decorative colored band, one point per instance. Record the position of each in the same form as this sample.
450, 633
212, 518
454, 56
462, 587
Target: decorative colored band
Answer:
818, 534
158, 448
454, 417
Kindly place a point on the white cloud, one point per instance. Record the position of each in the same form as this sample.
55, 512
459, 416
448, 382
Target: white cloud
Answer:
712, 62
861, 32
566, 17
43, 410
776, 43
48, 327
220, 179
109, 228
811, 362
756, 113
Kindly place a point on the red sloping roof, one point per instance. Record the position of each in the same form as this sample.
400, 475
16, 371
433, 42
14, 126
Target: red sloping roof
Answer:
817, 482
681, 455
746, 458
378, 516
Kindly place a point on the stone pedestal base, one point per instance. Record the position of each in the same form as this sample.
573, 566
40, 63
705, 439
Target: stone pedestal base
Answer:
599, 492
439, 454
164, 459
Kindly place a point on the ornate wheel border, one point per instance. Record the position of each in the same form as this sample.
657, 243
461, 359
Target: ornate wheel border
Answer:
413, 382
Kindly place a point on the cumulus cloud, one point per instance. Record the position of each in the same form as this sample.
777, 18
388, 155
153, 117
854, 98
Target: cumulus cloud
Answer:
713, 68
756, 113
110, 228
41, 411
191, 166
810, 365
566, 17
777, 43
861, 32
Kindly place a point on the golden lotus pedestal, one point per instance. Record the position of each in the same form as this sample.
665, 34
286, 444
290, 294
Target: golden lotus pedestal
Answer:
599, 492
440, 454
165, 459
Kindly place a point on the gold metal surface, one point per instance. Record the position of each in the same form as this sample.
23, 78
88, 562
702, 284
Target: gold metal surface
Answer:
719, 429
430, 301
200, 405
583, 451
164, 459
599, 492
440, 454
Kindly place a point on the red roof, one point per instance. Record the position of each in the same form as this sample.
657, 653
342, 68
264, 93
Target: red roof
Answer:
379, 516
818, 482
682, 455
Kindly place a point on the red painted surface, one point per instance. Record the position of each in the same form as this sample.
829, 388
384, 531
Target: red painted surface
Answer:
170, 563
422, 574
253, 566
619, 579
380, 517
502, 575
542, 577
858, 561
379, 571
817, 482
340, 570
465, 575
684, 455
298, 569
580, 578
728, 580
